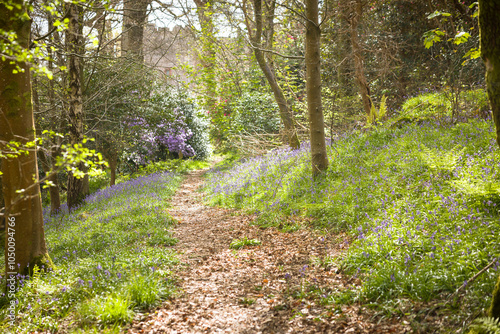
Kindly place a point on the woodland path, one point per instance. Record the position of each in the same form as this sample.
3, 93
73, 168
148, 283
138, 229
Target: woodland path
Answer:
248, 290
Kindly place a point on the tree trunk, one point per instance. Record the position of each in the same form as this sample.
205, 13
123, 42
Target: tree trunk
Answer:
134, 19
490, 52
75, 109
55, 198
207, 55
25, 239
319, 158
2, 202
290, 134
356, 11
113, 162
489, 26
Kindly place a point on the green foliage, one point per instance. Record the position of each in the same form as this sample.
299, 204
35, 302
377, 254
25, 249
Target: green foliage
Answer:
375, 116
445, 161
147, 291
428, 105
485, 326
111, 255
174, 165
256, 112
414, 233
432, 36
475, 101
111, 309
240, 243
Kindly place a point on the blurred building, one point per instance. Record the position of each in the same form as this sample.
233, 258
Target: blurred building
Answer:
169, 50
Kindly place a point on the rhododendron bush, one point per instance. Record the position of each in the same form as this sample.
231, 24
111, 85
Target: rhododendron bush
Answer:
170, 126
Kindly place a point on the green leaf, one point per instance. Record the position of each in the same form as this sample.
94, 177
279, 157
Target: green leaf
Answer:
461, 37
473, 53
438, 13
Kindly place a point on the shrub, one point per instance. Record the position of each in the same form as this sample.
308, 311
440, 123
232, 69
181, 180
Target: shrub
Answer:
428, 105
257, 113
171, 126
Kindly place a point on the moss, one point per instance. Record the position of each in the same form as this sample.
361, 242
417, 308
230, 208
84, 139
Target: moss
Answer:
42, 261
490, 50
494, 310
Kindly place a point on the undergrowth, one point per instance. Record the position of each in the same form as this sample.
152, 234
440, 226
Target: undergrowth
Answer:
112, 260
420, 205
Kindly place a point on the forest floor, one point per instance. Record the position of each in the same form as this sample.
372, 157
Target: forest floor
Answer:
274, 287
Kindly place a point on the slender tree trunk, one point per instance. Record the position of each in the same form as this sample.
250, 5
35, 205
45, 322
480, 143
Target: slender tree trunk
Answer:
290, 134
113, 163
207, 55
55, 198
25, 240
75, 109
489, 26
134, 19
319, 158
356, 12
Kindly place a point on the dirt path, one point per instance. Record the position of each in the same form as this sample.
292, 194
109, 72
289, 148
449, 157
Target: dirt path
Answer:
272, 288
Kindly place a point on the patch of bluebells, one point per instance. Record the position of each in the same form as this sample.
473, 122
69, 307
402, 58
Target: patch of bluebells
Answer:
417, 230
95, 248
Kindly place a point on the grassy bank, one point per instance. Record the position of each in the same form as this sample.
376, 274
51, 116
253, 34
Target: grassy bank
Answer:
420, 205
112, 260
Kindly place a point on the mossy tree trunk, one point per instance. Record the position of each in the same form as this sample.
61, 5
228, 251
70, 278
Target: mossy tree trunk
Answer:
207, 54
319, 158
25, 239
489, 25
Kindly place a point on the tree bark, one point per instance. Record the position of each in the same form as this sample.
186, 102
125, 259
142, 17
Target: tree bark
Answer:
113, 163
25, 239
2, 202
489, 27
319, 158
208, 54
134, 18
490, 52
290, 133
55, 198
74, 34
356, 12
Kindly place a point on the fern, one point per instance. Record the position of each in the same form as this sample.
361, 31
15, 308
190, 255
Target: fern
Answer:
383, 107
36, 273
374, 115
486, 325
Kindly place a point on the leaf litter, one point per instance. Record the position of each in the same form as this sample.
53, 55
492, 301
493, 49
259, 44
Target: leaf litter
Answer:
274, 287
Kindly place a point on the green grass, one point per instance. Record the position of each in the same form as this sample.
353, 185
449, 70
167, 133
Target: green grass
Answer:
112, 257
420, 205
